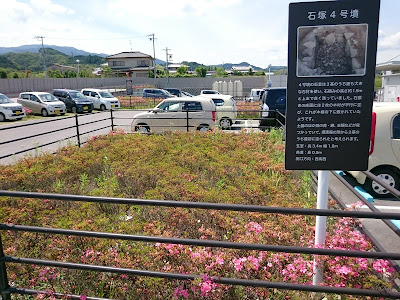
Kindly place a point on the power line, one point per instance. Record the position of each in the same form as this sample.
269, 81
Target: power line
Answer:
97, 39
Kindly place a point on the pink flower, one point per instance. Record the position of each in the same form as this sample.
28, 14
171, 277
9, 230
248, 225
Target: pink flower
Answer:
83, 297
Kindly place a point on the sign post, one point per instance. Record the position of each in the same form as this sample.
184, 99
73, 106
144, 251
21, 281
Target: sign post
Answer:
330, 91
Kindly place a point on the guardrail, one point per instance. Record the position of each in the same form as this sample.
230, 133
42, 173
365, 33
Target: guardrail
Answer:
6, 289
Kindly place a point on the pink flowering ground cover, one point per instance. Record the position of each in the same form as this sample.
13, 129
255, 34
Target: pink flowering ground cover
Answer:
209, 167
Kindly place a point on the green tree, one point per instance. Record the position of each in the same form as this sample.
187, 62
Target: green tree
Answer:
220, 72
182, 71
107, 72
259, 73
201, 71
251, 72
3, 74
15, 75
236, 73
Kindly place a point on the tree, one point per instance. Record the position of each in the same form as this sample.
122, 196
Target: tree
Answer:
236, 73
251, 72
201, 71
182, 71
107, 71
220, 72
3, 74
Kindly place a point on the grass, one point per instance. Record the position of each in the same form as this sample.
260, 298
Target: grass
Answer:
206, 167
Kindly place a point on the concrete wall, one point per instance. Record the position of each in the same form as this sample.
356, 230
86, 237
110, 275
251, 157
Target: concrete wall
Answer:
12, 87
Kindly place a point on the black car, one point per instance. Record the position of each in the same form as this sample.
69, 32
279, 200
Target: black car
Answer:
273, 104
75, 101
156, 93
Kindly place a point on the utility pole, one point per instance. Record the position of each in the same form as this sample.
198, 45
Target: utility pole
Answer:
44, 58
167, 56
152, 38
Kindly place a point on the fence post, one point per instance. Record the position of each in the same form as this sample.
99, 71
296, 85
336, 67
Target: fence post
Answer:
3, 276
77, 130
187, 121
112, 120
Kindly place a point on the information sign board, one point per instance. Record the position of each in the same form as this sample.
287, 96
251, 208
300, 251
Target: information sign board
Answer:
330, 90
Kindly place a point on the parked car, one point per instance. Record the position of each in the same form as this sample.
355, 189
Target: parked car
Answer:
156, 93
273, 99
226, 109
255, 95
10, 110
42, 103
206, 92
174, 92
177, 114
384, 158
102, 99
186, 94
75, 101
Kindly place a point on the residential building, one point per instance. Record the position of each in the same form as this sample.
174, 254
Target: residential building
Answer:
133, 64
390, 91
172, 68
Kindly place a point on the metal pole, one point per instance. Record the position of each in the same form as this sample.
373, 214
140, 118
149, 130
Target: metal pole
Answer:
3, 276
77, 130
112, 120
154, 55
187, 121
44, 57
320, 227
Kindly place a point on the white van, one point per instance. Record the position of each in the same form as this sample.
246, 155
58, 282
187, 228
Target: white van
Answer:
255, 95
384, 158
102, 99
226, 109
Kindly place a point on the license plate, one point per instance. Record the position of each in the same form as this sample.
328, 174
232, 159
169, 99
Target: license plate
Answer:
57, 112
112, 105
17, 112
85, 108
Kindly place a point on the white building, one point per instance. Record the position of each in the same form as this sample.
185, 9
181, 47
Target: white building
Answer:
390, 81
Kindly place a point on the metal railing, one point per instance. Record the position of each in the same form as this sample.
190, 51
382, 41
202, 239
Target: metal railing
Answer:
6, 289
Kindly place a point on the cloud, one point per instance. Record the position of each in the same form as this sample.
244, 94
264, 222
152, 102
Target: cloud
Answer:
49, 8
389, 42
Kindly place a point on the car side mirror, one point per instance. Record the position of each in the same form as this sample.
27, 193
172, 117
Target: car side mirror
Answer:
156, 110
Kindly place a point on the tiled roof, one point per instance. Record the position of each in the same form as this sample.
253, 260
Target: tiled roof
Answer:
134, 54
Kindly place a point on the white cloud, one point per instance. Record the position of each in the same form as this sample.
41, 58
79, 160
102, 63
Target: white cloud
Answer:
390, 41
48, 8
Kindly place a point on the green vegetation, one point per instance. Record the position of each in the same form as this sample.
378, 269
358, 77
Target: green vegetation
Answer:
205, 167
378, 81
27, 64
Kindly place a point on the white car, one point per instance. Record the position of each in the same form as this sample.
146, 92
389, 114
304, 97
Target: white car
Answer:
207, 92
255, 95
10, 110
384, 159
177, 114
42, 103
226, 109
102, 99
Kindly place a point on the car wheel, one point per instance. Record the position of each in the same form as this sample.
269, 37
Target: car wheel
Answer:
44, 112
2, 117
225, 123
73, 109
203, 128
102, 107
142, 128
378, 191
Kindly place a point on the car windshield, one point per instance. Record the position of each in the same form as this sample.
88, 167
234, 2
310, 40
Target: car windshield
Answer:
47, 98
106, 95
4, 99
77, 95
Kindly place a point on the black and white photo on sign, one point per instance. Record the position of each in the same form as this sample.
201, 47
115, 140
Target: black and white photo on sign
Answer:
331, 50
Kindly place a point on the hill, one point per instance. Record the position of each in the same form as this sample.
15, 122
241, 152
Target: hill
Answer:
34, 61
70, 51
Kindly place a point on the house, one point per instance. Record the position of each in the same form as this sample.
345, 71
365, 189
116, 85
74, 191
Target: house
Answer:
172, 68
241, 69
134, 63
390, 81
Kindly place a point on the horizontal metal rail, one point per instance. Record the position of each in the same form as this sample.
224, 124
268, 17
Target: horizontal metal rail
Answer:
204, 243
40, 146
206, 205
13, 290
367, 203
35, 123
39, 134
392, 190
221, 280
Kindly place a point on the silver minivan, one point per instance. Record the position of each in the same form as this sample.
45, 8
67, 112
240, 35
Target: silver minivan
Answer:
42, 103
177, 114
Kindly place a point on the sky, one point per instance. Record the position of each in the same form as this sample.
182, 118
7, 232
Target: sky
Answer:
210, 32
